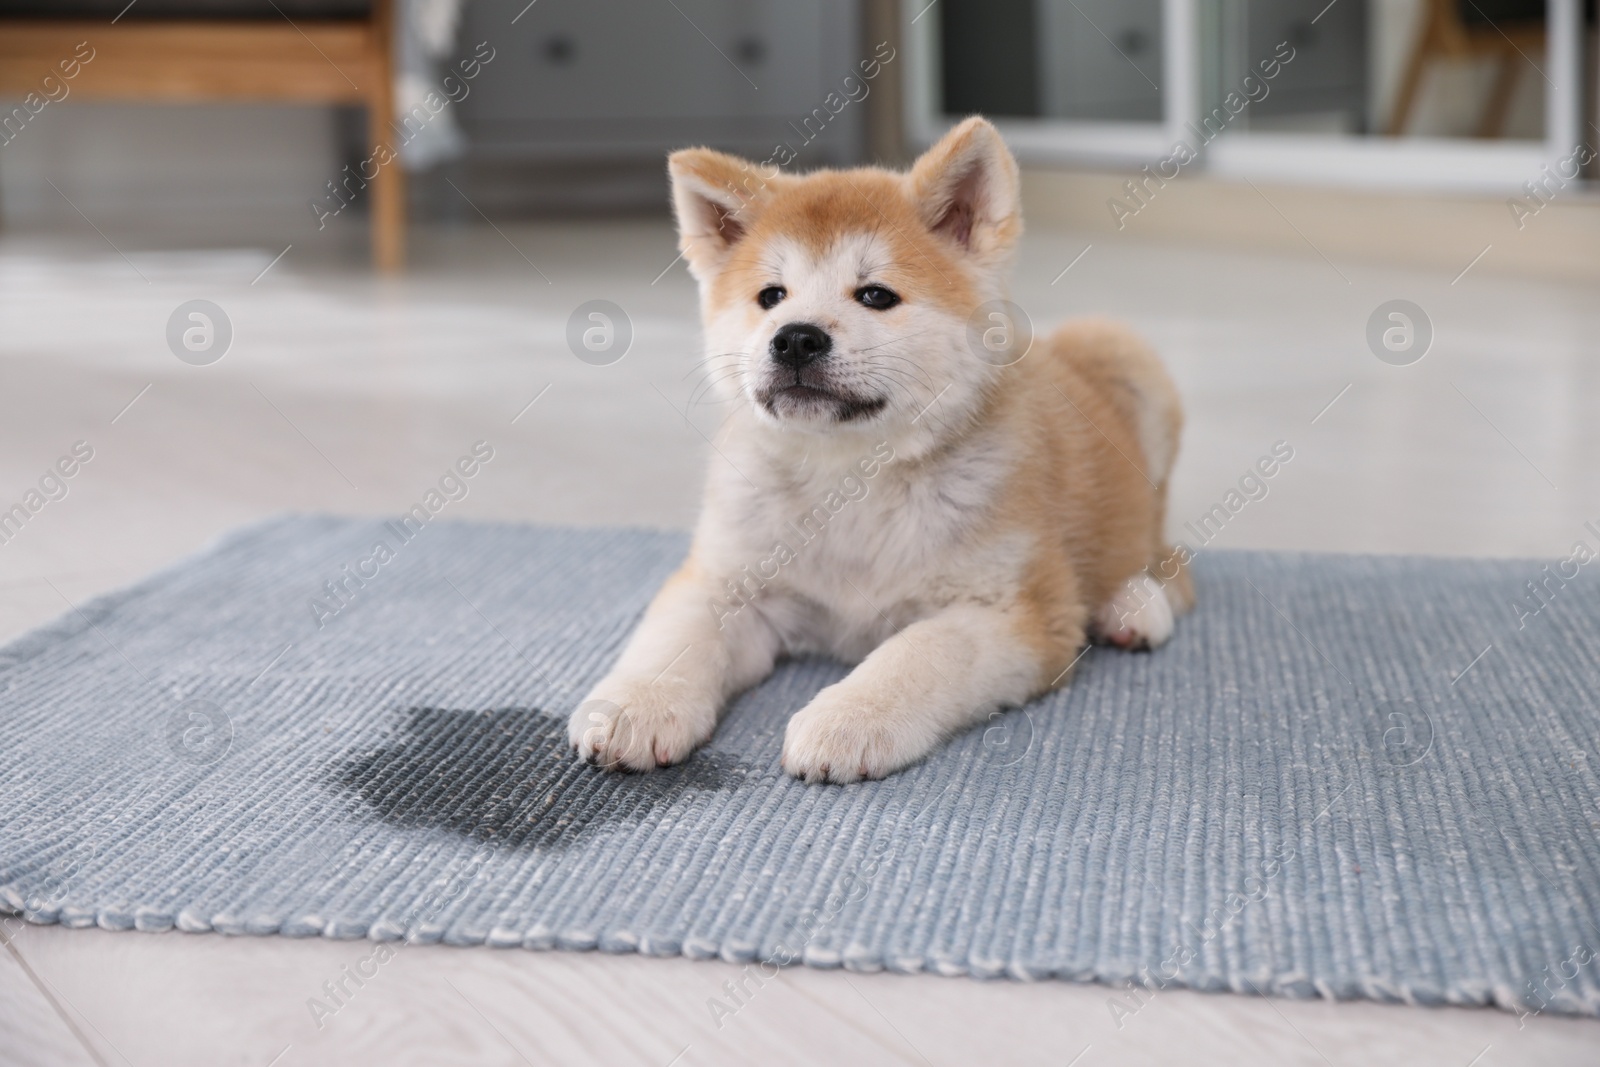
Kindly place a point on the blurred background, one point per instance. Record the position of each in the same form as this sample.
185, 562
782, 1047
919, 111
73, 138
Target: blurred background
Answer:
393, 211
270, 255
172, 124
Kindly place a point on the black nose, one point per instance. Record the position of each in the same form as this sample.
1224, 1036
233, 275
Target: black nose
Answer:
800, 343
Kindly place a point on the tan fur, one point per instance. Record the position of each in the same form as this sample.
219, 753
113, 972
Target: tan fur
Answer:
1086, 488
1019, 511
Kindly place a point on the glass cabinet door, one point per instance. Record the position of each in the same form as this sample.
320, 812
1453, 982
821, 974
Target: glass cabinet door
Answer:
1065, 59
1440, 93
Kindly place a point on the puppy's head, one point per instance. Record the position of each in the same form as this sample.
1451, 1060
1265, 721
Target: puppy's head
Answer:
840, 301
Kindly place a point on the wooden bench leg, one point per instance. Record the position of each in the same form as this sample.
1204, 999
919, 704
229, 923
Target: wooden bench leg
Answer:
1411, 81
388, 217
388, 205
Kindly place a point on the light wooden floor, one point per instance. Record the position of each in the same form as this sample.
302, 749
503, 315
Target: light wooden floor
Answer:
350, 394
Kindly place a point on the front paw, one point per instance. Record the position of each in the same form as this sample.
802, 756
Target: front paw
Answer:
637, 726
843, 737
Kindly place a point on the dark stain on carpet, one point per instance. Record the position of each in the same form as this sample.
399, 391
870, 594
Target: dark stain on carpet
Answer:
509, 776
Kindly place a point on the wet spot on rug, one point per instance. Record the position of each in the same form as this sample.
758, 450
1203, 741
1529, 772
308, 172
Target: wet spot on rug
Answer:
509, 776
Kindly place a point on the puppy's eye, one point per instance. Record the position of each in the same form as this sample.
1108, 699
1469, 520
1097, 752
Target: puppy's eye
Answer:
769, 297
876, 297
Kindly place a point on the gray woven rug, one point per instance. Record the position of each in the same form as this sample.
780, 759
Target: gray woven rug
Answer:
1346, 777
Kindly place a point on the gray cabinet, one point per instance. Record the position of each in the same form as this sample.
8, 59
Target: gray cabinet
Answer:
1065, 59
599, 79
1100, 59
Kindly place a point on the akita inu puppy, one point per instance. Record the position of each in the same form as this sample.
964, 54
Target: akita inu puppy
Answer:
886, 490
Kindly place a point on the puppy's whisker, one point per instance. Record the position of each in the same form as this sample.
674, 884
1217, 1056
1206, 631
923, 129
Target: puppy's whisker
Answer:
902, 363
912, 373
894, 356
705, 388
714, 368
707, 391
710, 375
893, 340
887, 383
715, 355
901, 374
900, 389
716, 364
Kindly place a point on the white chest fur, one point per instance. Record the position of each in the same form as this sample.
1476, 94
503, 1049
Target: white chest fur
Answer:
841, 551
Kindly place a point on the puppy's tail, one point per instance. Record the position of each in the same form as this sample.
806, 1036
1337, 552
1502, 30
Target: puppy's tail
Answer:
1134, 379
1131, 374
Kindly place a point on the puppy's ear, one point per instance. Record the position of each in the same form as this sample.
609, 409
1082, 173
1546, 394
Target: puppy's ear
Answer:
715, 197
967, 190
